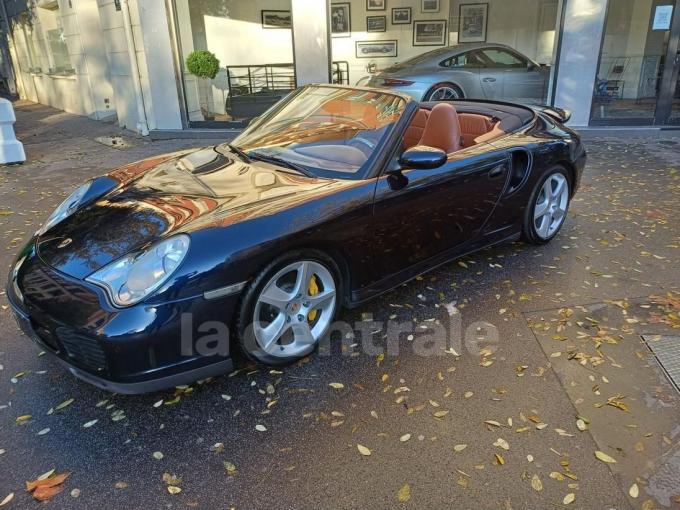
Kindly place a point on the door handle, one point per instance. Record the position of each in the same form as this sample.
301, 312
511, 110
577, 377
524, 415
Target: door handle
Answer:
496, 171
488, 80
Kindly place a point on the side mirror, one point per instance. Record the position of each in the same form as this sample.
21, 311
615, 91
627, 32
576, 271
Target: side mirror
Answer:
531, 66
422, 157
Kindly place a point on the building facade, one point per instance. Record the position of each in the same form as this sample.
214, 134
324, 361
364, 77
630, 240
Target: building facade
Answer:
611, 62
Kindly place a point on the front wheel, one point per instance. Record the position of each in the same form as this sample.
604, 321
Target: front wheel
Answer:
548, 206
289, 307
444, 92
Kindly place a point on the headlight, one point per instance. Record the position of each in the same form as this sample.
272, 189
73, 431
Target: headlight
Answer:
66, 208
132, 278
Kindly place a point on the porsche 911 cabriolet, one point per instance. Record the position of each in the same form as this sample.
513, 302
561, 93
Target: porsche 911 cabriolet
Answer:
330, 198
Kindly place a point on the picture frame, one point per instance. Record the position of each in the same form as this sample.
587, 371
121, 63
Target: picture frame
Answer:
376, 5
376, 23
272, 19
472, 22
429, 5
401, 16
341, 20
376, 49
431, 32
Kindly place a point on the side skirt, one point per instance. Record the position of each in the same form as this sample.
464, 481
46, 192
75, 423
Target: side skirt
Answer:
360, 296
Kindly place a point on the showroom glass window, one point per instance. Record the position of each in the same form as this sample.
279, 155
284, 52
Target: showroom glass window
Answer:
52, 22
630, 86
252, 41
414, 45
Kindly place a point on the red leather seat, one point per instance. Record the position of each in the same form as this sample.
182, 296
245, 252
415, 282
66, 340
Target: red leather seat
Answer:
473, 125
415, 130
442, 130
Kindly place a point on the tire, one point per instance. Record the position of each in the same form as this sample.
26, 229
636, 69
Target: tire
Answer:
540, 228
455, 92
302, 325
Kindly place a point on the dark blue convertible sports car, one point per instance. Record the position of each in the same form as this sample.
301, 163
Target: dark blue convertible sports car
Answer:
331, 197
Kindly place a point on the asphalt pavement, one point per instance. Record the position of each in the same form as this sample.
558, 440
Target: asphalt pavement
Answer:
543, 395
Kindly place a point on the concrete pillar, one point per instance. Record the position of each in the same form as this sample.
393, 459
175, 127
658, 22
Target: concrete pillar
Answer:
579, 56
157, 67
311, 41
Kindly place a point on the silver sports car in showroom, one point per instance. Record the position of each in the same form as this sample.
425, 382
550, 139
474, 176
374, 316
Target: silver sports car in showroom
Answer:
476, 71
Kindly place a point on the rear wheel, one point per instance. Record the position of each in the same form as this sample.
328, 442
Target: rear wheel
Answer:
444, 92
548, 206
289, 307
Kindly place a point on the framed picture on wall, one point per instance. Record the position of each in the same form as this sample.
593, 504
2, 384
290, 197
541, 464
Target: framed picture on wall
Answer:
429, 6
472, 22
376, 23
375, 49
401, 16
341, 20
276, 19
375, 5
429, 33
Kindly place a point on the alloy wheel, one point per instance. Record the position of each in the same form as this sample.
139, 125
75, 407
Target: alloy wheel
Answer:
551, 205
294, 309
444, 93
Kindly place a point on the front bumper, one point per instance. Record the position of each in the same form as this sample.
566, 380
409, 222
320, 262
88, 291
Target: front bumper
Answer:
138, 349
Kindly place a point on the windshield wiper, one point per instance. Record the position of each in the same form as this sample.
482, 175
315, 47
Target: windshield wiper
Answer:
282, 162
244, 157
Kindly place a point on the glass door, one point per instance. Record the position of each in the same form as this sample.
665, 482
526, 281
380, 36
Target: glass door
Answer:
637, 73
668, 108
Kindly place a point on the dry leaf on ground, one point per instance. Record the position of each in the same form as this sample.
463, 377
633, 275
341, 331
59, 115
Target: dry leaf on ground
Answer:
47, 488
404, 494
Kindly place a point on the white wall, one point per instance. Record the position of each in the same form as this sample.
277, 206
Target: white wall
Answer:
113, 33
84, 92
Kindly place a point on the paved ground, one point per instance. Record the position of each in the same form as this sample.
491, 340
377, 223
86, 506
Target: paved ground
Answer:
490, 429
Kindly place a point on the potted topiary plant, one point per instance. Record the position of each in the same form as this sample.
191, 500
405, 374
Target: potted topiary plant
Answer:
204, 65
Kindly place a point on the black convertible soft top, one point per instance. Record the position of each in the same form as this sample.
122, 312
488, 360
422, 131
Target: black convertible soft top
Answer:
510, 116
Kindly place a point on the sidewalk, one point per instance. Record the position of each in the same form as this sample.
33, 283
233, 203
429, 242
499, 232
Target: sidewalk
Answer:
498, 431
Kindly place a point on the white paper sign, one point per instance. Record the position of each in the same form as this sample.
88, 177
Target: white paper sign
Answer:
662, 17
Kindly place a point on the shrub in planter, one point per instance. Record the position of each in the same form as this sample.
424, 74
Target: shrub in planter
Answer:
203, 64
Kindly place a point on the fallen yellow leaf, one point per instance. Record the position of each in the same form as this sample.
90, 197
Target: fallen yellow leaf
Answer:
604, 457
404, 493
363, 450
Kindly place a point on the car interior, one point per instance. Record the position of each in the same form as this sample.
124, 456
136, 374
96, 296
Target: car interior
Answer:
452, 128
342, 134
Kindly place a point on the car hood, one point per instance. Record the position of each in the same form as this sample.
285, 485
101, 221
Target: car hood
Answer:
180, 192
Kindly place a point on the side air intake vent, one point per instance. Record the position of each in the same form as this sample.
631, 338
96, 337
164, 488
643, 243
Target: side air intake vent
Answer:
519, 169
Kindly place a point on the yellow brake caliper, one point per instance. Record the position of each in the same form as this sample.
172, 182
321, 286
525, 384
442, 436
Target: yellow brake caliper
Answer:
313, 290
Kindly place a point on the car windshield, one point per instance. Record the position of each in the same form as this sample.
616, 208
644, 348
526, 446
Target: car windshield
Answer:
324, 131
